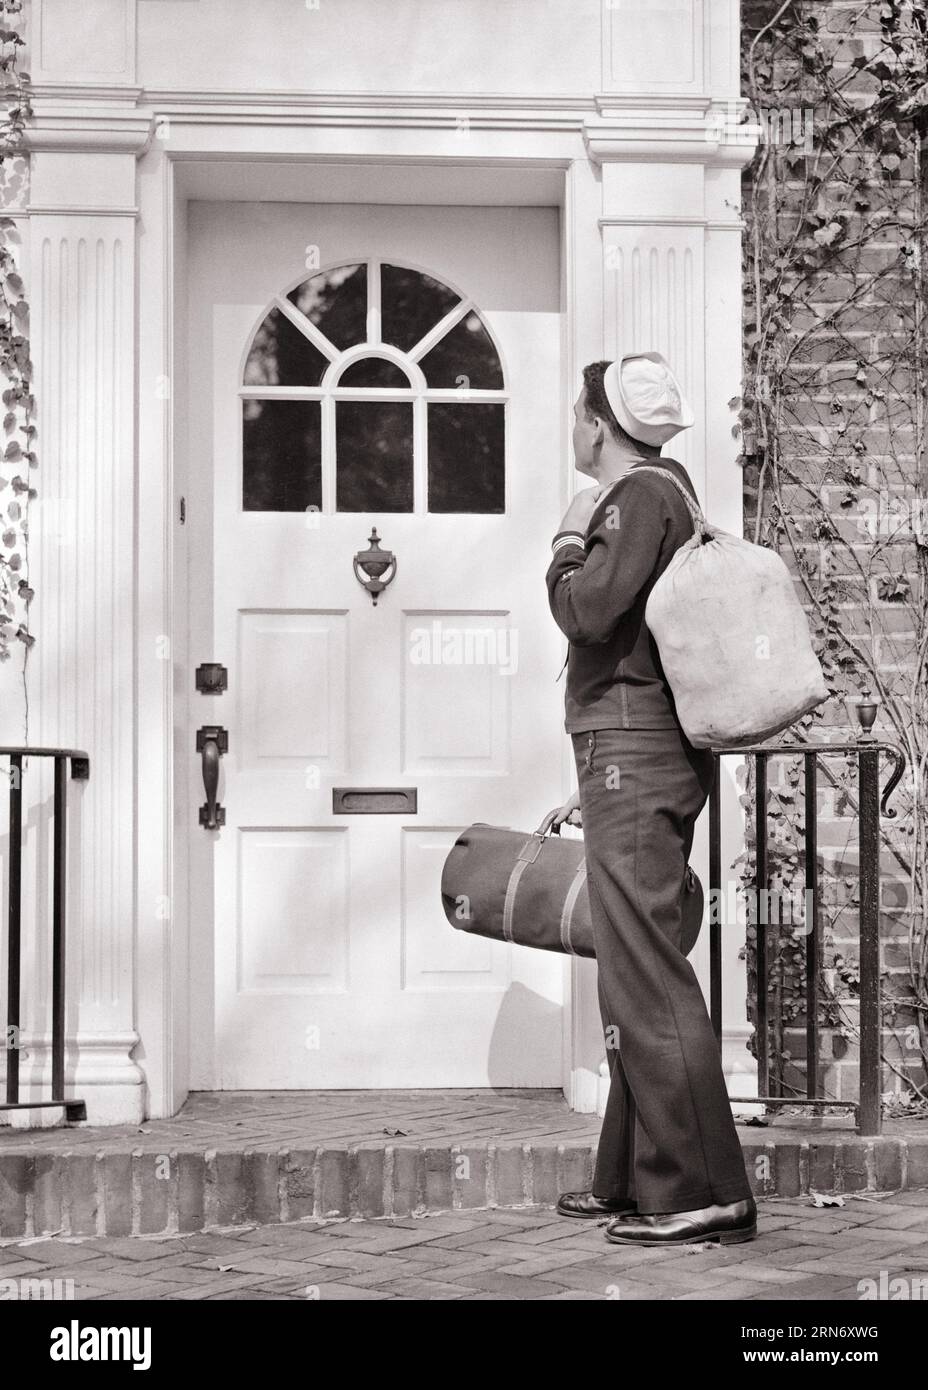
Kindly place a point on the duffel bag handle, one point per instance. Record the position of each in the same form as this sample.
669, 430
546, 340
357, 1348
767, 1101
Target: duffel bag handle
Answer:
533, 845
547, 826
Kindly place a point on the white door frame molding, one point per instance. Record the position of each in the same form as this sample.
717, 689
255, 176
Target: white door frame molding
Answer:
104, 164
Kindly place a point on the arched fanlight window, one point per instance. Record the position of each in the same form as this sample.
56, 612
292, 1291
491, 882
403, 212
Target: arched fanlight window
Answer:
372, 387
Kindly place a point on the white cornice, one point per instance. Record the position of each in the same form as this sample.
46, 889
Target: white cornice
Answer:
713, 137
614, 127
105, 127
76, 93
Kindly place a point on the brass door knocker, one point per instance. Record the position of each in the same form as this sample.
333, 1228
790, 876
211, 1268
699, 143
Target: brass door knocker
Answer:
375, 563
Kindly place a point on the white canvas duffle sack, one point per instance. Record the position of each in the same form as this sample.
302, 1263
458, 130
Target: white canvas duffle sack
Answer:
733, 639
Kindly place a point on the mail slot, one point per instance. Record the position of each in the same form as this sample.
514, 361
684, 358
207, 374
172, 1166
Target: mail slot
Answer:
374, 801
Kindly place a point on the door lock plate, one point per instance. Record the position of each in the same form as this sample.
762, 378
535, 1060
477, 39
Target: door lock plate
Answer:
212, 678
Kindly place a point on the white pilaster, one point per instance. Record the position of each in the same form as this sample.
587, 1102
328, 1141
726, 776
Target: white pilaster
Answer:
81, 686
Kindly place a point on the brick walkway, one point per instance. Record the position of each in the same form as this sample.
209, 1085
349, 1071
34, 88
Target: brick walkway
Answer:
258, 1158
265, 1120
801, 1252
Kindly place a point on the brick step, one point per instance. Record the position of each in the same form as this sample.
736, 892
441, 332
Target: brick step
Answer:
186, 1189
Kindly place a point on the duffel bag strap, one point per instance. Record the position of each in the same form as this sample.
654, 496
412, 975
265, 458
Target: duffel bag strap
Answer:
547, 826
510, 900
527, 855
570, 903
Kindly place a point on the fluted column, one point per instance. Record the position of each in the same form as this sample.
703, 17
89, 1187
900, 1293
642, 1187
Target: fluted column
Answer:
80, 675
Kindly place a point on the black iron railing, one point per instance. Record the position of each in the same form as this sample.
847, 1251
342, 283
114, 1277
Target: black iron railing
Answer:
74, 1108
870, 806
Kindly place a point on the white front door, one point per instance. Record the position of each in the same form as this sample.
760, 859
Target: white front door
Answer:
351, 367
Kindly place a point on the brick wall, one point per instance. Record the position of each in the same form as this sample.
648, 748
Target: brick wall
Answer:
846, 352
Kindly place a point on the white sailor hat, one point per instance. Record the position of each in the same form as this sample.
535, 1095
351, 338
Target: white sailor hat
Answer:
645, 397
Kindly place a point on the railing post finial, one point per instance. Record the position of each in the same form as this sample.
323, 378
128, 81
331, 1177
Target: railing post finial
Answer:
865, 707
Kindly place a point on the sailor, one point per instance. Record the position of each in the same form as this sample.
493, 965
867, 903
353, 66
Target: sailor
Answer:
669, 1166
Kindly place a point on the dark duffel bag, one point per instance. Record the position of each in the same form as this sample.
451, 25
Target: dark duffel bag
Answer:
532, 890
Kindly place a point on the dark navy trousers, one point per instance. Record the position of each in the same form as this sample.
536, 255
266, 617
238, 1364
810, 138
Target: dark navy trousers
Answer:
668, 1138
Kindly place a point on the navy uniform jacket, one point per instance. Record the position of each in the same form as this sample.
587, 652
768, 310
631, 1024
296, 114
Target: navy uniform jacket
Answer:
598, 586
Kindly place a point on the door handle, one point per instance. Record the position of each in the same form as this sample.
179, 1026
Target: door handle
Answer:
212, 742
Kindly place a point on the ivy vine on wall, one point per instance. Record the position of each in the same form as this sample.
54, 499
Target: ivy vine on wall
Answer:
834, 448
17, 454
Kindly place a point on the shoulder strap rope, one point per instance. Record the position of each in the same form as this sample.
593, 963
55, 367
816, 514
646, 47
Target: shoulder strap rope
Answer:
696, 514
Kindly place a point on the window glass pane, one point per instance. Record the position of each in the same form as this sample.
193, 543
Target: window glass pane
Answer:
374, 371
283, 356
466, 457
464, 357
373, 450
281, 456
336, 302
410, 304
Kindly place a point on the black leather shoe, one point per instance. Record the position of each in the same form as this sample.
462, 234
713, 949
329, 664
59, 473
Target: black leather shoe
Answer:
728, 1225
585, 1204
